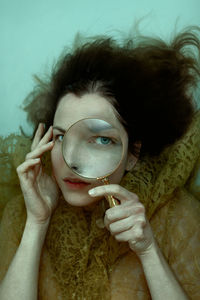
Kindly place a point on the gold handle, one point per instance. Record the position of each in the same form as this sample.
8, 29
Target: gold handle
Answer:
111, 200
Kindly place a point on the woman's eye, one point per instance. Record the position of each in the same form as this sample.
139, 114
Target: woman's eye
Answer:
59, 137
102, 140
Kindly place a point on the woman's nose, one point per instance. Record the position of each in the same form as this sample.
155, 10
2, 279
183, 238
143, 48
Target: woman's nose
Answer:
71, 156
73, 167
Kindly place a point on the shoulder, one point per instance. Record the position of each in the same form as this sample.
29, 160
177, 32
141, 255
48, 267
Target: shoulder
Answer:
185, 214
180, 241
181, 213
183, 226
185, 242
177, 222
128, 280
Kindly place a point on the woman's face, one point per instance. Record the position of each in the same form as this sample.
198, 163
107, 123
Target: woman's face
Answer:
70, 110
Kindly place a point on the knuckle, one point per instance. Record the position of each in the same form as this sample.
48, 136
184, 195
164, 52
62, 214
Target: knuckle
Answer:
18, 169
139, 234
108, 216
137, 198
112, 228
27, 156
142, 222
118, 237
141, 207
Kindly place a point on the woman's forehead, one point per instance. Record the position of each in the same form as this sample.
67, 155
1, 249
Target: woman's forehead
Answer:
73, 108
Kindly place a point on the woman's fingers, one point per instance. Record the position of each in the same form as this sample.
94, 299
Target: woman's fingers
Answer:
39, 151
46, 138
27, 164
27, 170
114, 214
135, 234
39, 146
38, 136
126, 224
40, 191
118, 215
130, 204
116, 190
39, 139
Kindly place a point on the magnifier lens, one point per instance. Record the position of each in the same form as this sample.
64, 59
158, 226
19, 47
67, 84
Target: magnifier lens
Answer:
92, 148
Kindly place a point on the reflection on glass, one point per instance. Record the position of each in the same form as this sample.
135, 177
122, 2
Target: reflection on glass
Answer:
92, 148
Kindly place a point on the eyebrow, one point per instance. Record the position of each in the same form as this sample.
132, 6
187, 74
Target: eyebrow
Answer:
94, 129
59, 128
99, 127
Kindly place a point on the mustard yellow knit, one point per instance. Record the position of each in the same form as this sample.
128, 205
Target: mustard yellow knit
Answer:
82, 254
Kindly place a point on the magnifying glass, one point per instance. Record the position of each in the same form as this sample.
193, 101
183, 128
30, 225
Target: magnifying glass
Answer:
93, 149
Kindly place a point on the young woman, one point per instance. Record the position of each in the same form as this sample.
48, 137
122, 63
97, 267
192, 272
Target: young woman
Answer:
53, 245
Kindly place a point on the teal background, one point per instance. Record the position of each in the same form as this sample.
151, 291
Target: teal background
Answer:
33, 34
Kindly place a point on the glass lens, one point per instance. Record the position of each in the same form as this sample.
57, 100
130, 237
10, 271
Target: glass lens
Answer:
92, 148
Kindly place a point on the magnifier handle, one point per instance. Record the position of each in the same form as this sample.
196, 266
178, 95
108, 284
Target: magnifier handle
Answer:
111, 200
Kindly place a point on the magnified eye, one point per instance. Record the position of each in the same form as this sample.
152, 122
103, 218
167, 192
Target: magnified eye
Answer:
103, 140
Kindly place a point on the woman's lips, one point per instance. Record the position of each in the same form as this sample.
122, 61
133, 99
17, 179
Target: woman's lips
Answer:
75, 184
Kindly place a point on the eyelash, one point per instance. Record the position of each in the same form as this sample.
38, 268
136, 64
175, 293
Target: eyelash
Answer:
57, 135
111, 139
95, 137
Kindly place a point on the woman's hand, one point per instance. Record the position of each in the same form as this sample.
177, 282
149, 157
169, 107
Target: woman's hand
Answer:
40, 191
127, 222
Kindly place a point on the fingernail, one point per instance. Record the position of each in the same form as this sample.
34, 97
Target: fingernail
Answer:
92, 192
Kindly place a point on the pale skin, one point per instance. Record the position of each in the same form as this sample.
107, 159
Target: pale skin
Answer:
127, 222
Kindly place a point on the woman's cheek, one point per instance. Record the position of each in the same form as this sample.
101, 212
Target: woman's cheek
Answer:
57, 161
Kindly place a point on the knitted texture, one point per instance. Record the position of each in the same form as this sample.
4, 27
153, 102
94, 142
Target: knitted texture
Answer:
83, 254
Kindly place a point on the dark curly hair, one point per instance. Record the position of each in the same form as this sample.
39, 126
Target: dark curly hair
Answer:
150, 83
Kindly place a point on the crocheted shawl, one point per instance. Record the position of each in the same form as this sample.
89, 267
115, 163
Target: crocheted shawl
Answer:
82, 253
